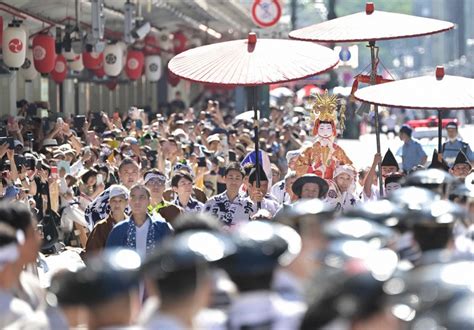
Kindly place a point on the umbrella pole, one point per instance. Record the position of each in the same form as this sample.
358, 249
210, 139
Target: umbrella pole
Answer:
253, 90
440, 131
373, 75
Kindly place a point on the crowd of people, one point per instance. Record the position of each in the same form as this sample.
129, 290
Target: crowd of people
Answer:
177, 223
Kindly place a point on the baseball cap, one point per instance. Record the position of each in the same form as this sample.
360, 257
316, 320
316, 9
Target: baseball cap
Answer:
118, 190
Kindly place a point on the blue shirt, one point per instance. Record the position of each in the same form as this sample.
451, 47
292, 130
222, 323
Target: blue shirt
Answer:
451, 150
123, 234
412, 154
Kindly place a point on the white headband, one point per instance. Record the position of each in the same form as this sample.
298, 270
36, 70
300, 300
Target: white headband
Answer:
151, 176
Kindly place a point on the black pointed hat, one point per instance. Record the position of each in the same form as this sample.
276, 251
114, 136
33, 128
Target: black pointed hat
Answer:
435, 163
461, 158
389, 159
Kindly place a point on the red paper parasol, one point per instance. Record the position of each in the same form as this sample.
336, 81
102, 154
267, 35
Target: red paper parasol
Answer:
371, 26
249, 62
439, 91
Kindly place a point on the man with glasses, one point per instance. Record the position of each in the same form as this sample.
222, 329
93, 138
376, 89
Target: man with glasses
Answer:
230, 207
155, 181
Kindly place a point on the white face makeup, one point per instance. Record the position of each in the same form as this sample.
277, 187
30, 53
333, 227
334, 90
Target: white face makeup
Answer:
391, 187
325, 130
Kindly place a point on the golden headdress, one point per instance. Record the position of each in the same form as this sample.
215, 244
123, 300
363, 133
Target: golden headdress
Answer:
325, 109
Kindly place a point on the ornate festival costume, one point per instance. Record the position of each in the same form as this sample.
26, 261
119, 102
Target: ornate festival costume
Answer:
324, 155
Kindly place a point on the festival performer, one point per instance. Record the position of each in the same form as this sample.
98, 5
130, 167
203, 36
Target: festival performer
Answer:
324, 155
340, 194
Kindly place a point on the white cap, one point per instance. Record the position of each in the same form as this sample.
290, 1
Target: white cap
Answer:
292, 154
118, 190
348, 169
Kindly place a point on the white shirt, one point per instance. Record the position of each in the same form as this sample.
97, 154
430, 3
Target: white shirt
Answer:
268, 204
341, 201
278, 191
142, 233
230, 212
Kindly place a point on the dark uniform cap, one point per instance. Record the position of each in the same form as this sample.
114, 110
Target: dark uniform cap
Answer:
313, 210
428, 178
437, 213
188, 250
426, 288
412, 197
359, 229
381, 211
461, 190
310, 178
261, 247
106, 276
350, 284
452, 124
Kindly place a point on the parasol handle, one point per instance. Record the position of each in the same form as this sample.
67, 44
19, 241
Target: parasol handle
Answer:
373, 75
440, 132
255, 127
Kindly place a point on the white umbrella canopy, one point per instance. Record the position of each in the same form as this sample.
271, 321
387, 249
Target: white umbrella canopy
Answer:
437, 91
371, 24
252, 62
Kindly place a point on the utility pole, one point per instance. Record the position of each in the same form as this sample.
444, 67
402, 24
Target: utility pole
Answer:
293, 9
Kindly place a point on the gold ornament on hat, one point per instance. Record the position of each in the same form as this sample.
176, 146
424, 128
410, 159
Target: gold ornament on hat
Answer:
325, 109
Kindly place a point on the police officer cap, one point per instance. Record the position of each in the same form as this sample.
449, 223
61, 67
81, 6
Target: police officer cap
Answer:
359, 229
436, 213
188, 250
261, 247
381, 211
313, 210
412, 197
428, 178
461, 191
452, 124
106, 276
355, 289
411, 293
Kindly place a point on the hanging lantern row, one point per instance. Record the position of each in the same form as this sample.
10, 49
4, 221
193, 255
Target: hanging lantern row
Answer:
42, 58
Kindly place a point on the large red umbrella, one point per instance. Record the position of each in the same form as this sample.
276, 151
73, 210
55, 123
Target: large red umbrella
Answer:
439, 91
371, 26
249, 62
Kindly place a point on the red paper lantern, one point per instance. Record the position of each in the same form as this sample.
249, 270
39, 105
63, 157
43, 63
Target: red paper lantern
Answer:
59, 72
180, 42
100, 72
152, 46
92, 60
173, 79
134, 65
44, 53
